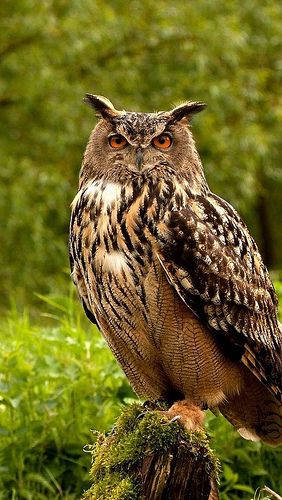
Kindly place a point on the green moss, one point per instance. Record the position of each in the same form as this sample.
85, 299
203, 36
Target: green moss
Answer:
113, 487
137, 432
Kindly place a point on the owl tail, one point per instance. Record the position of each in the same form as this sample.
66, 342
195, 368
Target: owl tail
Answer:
255, 412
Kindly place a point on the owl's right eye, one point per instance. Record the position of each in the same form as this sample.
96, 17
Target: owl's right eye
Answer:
117, 141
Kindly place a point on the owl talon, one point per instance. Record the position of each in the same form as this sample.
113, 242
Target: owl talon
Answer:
174, 419
191, 417
148, 405
141, 415
156, 404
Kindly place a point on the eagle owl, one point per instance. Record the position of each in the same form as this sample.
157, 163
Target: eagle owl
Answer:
171, 275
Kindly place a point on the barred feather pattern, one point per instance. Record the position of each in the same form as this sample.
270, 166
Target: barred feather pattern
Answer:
179, 290
111, 254
218, 271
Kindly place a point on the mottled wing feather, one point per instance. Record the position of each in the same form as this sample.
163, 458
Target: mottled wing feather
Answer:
215, 266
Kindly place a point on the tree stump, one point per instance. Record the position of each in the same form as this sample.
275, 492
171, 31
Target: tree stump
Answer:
151, 458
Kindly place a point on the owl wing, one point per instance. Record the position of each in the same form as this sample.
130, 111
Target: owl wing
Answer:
211, 260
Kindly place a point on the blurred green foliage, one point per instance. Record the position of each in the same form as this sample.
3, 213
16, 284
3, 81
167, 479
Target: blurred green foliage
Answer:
59, 381
144, 56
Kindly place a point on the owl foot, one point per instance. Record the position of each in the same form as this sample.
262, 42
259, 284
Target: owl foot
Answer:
191, 417
153, 405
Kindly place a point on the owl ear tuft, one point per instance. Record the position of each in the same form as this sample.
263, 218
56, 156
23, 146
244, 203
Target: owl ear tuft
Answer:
186, 110
102, 105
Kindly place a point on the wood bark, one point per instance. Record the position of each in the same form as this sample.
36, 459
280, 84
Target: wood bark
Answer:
181, 473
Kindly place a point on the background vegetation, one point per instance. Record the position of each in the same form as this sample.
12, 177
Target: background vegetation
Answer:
58, 378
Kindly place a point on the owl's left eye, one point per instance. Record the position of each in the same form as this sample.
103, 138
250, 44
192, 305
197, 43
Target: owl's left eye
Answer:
162, 141
117, 141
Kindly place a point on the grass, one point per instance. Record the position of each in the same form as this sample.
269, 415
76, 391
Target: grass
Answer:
58, 381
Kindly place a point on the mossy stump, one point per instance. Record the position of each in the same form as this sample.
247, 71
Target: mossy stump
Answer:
149, 457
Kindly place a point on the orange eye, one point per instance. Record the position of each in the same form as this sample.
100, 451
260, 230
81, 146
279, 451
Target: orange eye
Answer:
117, 141
163, 141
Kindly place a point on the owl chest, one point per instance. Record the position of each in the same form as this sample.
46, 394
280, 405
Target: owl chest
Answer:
118, 250
116, 240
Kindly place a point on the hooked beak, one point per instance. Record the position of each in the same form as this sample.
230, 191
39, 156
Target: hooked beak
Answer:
139, 157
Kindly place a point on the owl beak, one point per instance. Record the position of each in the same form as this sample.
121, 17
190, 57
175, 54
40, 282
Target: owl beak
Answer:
139, 157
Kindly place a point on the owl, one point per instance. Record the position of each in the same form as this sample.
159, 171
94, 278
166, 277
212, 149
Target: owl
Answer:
171, 276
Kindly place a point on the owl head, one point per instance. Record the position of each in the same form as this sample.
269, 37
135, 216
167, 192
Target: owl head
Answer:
126, 144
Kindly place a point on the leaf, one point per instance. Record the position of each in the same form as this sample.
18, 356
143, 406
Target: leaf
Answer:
38, 478
229, 474
244, 487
